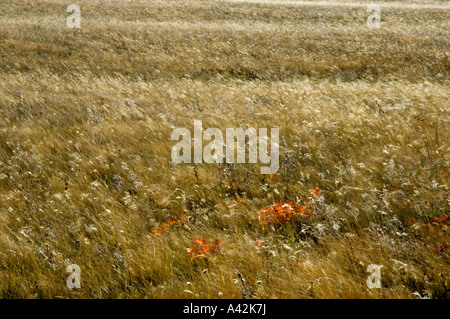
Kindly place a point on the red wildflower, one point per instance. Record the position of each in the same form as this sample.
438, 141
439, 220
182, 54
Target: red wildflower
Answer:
441, 248
441, 220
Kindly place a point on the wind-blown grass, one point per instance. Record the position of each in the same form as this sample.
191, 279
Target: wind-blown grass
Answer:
85, 172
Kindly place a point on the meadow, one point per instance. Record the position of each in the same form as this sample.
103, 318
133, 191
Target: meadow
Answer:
86, 178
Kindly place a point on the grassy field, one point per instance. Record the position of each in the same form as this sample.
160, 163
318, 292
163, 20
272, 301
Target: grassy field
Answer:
86, 117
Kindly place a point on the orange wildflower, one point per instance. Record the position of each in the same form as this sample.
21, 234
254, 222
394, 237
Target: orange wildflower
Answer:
279, 214
260, 243
202, 248
173, 221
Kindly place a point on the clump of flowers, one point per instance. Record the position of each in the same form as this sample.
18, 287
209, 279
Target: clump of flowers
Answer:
174, 221
236, 202
259, 244
279, 214
314, 192
441, 249
441, 220
203, 248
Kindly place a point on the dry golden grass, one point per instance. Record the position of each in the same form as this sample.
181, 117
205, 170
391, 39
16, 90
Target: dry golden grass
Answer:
363, 116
